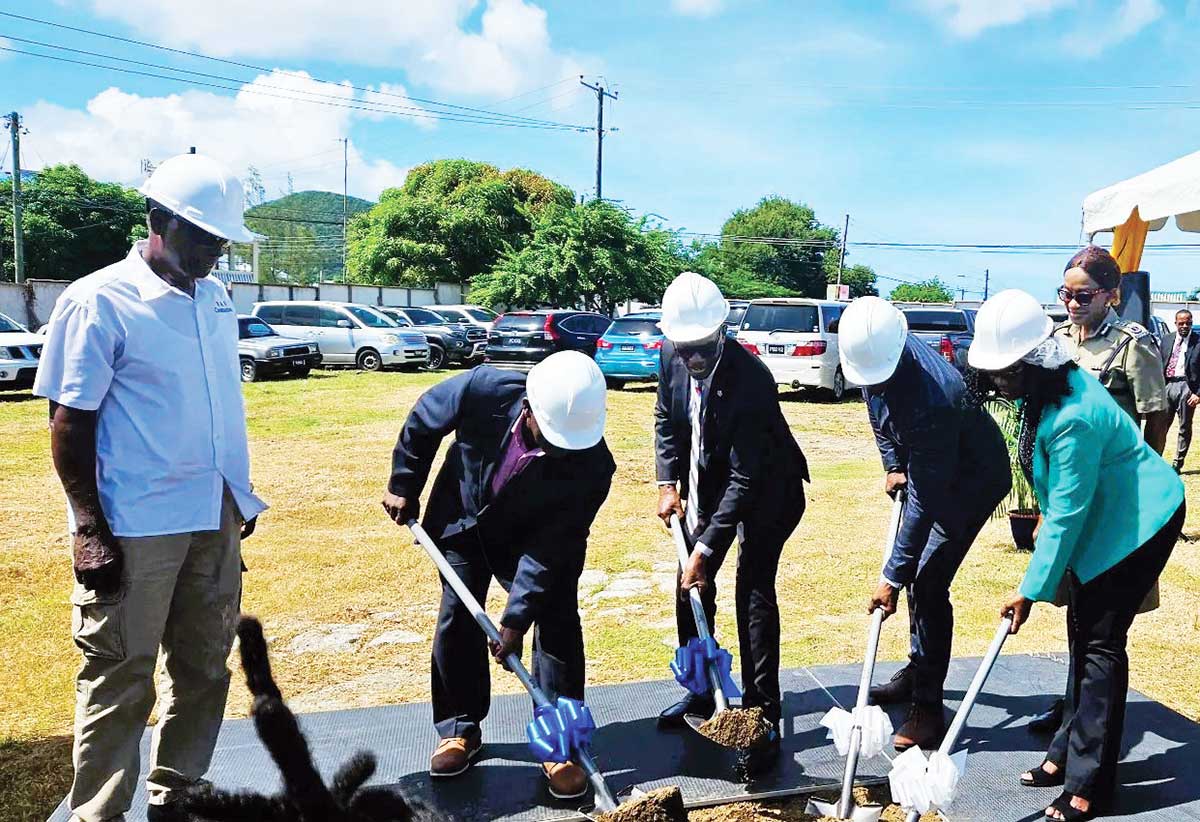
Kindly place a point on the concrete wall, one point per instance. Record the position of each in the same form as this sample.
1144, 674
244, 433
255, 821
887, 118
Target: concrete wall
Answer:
30, 304
245, 295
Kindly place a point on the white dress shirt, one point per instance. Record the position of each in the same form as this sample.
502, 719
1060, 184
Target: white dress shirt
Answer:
1180, 369
161, 370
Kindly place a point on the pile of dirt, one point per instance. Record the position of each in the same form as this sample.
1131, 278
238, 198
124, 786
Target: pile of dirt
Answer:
660, 805
739, 728
793, 810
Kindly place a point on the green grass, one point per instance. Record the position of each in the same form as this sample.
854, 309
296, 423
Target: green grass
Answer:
325, 553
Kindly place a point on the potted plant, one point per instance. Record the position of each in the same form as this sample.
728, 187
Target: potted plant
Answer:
1020, 504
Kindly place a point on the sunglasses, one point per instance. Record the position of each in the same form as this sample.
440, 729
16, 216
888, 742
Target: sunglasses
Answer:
706, 350
1083, 297
195, 234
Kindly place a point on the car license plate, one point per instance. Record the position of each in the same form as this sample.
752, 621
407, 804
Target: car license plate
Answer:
298, 361
512, 341
626, 347
775, 349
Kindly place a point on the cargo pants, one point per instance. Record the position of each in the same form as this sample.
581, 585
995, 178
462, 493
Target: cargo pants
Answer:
180, 592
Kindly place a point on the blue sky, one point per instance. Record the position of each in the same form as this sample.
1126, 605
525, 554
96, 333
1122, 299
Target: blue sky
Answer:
939, 121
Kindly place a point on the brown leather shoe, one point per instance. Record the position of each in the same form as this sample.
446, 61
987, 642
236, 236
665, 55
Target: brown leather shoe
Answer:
924, 727
565, 780
453, 755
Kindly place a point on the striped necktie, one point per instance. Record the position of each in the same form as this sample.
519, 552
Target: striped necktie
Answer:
695, 405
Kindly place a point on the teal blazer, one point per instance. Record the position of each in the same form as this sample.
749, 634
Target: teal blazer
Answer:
1103, 491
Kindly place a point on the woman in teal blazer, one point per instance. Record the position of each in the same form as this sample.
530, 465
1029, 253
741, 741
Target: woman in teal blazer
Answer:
1112, 510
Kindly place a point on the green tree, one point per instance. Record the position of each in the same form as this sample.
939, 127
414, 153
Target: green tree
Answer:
709, 259
73, 224
450, 221
932, 290
592, 255
860, 278
751, 247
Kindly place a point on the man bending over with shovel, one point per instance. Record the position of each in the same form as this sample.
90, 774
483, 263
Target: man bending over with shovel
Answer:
515, 498
947, 453
721, 443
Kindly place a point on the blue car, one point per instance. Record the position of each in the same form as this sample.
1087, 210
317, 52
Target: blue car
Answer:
629, 350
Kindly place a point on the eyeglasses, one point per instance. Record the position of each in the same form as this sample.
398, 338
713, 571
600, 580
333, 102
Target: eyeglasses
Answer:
195, 234
1083, 296
706, 349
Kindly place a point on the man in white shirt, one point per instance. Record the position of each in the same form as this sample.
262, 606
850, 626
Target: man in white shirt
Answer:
148, 435
1182, 371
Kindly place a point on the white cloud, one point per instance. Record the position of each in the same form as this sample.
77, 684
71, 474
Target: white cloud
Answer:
116, 130
430, 41
969, 18
394, 98
1093, 39
697, 8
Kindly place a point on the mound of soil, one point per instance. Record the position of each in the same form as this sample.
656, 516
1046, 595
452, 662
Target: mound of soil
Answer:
739, 728
793, 809
661, 805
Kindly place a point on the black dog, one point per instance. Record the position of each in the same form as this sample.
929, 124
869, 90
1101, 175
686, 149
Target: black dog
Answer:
305, 797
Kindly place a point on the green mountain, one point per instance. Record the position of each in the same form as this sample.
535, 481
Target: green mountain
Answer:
303, 235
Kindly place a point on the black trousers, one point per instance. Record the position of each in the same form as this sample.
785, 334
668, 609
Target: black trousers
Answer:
930, 612
1099, 615
461, 665
760, 545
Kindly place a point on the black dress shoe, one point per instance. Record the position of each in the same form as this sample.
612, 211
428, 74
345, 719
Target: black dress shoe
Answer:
1048, 721
758, 760
898, 689
691, 704
172, 812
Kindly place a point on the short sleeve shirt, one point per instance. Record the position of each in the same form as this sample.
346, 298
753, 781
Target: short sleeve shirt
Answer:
1134, 377
160, 368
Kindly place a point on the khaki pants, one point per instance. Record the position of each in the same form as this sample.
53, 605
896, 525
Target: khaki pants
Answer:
181, 592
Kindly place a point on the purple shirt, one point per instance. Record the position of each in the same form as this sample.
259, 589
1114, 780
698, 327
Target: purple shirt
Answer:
517, 454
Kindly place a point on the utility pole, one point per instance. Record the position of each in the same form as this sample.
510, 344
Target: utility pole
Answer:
601, 93
842, 255
345, 197
14, 127
986, 273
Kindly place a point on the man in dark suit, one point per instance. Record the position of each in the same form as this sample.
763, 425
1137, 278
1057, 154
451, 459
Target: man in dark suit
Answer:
721, 443
515, 499
948, 456
1181, 367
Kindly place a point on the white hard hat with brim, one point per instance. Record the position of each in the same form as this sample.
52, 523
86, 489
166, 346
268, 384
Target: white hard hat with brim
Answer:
1007, 327
199, 190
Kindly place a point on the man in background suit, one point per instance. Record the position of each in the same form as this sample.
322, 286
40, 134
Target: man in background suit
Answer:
1181, 367
515, 499
722, 443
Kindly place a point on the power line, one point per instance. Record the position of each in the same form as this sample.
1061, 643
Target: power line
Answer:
198, 55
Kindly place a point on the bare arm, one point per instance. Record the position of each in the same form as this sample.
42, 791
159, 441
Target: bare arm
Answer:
73, 447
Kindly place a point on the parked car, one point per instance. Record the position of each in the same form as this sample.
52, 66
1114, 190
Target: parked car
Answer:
796, 338
347, 333
522, 339
19, 355
262, 350
630, 349
475, 315
449, 342
946, 329
737, 310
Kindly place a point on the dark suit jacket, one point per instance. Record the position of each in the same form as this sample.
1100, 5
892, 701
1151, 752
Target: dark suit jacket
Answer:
1191, 358
955, 458
750, 463
536, 529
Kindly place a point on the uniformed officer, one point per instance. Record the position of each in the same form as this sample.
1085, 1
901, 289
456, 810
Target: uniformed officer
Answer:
1123, 355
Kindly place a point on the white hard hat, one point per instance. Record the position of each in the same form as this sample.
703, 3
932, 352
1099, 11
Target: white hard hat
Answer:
692, 308
569, 399
871, 336
1007, 327
199, 189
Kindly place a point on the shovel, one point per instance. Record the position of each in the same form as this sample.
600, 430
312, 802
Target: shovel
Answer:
920, 785
559, 731
867, 729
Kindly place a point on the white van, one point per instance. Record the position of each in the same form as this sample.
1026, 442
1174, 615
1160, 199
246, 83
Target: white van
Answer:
796, 338
348, 333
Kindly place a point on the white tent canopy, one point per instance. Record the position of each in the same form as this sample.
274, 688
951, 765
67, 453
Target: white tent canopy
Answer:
1171, 190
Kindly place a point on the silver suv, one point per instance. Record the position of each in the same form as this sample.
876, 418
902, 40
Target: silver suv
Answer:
262, 351
348, 333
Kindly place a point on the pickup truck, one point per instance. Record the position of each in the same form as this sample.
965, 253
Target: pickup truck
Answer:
945, 329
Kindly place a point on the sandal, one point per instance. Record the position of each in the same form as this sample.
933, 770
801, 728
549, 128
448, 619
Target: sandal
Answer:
1039, 777
1069, 813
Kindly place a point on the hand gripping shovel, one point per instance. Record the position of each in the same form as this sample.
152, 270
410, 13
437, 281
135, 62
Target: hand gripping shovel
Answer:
702, 667
559, 731
921, 785
867, 729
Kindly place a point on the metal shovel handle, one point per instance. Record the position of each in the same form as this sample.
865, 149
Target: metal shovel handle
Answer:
868, 669
964, 709
604, 797
714, 678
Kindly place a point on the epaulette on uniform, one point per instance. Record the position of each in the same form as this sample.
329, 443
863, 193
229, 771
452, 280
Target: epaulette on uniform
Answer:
1135, 330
